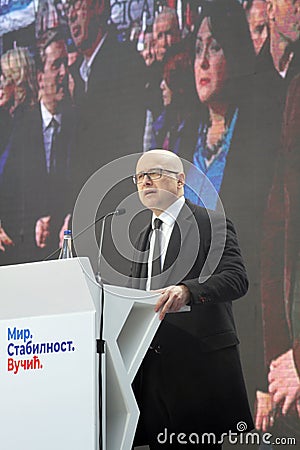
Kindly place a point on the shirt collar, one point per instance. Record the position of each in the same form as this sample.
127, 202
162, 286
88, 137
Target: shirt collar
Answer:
283, 73
87, 63
90, 61
169, 216
47, 116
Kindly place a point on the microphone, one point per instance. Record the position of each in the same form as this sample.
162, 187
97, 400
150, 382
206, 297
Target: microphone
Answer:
117, 212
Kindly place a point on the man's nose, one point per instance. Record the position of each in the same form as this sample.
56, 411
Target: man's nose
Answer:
62, 71
147, 180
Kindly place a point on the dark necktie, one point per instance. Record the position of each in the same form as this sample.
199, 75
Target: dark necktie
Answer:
156, 260
53, 154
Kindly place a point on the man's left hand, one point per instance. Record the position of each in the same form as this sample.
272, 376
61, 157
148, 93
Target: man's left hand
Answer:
284, 382
172, 299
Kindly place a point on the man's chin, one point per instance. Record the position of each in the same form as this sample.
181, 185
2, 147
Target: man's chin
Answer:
150, 202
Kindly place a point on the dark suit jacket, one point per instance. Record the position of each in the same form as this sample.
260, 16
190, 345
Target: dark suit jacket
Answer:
28, 192
196, 344
111, 112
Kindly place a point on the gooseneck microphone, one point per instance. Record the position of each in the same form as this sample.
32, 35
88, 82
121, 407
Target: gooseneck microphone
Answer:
117, 212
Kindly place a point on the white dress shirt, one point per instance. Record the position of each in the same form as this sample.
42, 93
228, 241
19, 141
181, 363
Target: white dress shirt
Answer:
168, 218
48, 131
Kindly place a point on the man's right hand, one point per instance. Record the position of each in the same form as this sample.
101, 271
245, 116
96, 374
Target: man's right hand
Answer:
5, 240
42, 231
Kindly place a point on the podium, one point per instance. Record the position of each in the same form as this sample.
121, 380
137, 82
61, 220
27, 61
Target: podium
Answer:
49, 366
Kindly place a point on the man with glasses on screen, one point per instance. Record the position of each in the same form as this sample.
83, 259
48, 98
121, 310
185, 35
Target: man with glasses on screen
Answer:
190, 382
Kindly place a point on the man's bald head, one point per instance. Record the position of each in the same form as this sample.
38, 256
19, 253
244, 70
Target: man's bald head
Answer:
164, 159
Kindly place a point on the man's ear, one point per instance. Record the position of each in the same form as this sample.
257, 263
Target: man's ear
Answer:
181, 179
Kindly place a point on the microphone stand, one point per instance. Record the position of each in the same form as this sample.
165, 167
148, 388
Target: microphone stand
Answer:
98, 273
101, 342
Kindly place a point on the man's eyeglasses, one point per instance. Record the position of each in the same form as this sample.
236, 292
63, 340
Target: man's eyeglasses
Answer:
69, 4
152, 175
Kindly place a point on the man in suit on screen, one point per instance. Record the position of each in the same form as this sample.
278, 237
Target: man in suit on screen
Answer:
108, 89
39, 157
191, 379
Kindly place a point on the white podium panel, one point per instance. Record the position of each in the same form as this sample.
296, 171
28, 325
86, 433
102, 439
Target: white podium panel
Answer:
130, 324
49, 366
48, 356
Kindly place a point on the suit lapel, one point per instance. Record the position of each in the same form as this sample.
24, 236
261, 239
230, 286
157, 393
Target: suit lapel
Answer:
140, 267
179, 250
36, 150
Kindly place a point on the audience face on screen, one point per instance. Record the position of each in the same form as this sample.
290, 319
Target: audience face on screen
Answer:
258, 23
148, 51
6, 91
285, 15
53, 80
84, 21
210, 65
166, 93
165, 33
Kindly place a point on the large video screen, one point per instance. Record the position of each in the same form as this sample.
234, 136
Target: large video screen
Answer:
87, 86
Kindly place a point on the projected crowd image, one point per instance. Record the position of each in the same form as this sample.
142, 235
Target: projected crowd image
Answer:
84, 82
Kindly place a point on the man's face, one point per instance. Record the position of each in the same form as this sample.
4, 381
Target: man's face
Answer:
53, 80
258, 23
148, 51
84, 18
165, 34
158, 195
286, 17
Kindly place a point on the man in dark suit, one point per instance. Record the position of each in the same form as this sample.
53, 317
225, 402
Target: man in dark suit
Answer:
39, 154
108, 89
191, 379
